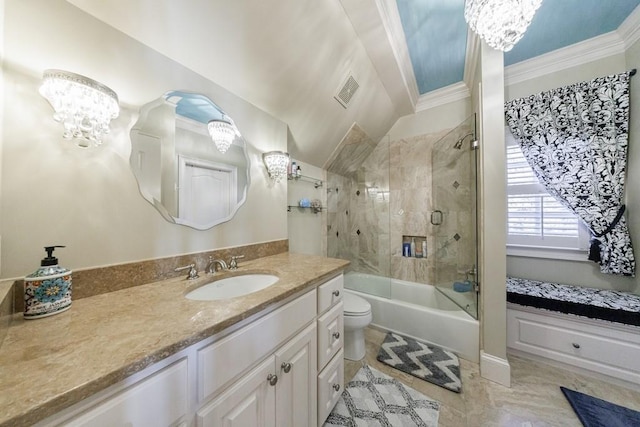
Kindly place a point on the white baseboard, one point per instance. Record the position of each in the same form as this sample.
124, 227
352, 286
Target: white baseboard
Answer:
495, 369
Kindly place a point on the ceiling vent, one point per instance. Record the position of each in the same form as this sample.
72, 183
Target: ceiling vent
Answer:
347, 90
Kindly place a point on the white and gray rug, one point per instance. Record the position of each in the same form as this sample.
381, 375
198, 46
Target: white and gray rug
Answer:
427, 362
375, 399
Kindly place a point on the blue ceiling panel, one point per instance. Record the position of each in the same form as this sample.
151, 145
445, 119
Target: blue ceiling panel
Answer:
194, 106
436, 35
560, 23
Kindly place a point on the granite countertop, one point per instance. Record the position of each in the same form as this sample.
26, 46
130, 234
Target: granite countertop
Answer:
51, 363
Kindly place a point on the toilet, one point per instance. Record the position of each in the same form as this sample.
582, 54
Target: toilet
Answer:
357, 316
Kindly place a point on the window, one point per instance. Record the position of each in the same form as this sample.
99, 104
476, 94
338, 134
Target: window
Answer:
536, 220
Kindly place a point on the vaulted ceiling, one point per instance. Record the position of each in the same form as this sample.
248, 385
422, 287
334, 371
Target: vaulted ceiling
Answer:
290, 57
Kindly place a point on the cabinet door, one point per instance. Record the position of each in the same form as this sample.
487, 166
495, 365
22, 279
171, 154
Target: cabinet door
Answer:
296, 392
250, 402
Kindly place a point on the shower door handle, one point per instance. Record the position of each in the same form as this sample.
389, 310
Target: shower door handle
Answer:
436, 217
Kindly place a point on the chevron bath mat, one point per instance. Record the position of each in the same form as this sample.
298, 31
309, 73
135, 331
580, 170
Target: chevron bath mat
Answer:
427, 362
374, 399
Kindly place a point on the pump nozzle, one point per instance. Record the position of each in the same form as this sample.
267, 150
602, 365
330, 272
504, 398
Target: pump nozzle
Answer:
50, 259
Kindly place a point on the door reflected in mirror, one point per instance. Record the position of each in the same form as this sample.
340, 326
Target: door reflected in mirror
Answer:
178, 167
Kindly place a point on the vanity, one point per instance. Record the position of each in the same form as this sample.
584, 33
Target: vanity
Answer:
149, 356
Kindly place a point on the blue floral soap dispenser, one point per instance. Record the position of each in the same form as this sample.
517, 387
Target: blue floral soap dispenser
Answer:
47, 291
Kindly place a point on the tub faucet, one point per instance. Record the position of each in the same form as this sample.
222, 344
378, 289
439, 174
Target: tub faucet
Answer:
211, 267
233, 264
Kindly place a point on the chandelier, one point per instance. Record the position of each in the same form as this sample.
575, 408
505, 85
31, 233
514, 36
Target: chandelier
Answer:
500, 23
222, 133
84, 106
276, 163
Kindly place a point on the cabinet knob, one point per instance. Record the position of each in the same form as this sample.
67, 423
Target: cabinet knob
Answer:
336, 293
576, 345
286, 367
336, 335
336, 387
272, 379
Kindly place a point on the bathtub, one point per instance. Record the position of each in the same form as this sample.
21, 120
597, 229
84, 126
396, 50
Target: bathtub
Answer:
418, 311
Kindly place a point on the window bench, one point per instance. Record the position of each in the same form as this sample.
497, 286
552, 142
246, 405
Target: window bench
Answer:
592, 329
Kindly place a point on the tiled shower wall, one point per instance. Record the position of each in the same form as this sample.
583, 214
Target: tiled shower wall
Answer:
392, 194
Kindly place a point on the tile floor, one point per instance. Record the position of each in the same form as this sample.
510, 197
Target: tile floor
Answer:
534, 399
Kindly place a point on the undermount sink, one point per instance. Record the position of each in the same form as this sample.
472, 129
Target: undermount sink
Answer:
232, 287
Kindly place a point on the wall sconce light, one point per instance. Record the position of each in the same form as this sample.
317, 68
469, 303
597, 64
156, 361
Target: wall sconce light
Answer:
222, 133
500, 23
276, 163
84, 106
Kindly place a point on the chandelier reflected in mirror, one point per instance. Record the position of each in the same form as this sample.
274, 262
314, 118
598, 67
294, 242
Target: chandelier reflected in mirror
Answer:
222, 133
84, 106
500, 23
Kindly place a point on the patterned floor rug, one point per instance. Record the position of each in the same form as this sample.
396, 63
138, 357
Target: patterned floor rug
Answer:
375, 399
427, 362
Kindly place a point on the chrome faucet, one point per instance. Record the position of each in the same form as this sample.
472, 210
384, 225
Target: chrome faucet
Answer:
193, 273
211, 267
233, 264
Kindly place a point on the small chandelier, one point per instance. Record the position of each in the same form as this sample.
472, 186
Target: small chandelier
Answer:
500, 23
84, 106
277, 163
222, 133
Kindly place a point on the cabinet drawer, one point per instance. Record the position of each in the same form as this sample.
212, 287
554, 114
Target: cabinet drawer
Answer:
330, 293
223, 360
330, 386
138, 405
591, 347
330, 334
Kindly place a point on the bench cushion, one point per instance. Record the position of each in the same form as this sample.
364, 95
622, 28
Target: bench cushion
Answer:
614, 306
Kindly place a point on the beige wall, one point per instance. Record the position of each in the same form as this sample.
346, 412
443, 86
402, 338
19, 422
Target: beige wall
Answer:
55, 193
586, 273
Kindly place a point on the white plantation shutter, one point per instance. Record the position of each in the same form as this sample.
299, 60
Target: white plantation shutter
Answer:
534, 217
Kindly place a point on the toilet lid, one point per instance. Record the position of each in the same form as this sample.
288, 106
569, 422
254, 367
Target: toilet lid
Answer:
355, 305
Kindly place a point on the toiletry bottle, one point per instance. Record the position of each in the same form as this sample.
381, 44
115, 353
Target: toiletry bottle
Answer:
413, 246
294, 169
424, 248
298, 171
47, 291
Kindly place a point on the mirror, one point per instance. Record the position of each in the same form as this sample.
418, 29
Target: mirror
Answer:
178, 167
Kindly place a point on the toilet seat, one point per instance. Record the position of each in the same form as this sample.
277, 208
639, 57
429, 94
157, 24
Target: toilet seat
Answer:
355, 305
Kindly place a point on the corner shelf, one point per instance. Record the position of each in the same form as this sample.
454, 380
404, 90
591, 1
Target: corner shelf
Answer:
317, 183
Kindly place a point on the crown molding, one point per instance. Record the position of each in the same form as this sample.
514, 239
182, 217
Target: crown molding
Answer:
629, 30
390, 17
445, 95
575, 55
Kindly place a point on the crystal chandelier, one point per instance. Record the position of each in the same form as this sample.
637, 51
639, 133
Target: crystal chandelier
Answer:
222, 133
500, 23
84, 106
276, 163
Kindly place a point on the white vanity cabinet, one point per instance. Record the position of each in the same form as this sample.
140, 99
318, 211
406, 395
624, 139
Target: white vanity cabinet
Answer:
264, 372
330, 345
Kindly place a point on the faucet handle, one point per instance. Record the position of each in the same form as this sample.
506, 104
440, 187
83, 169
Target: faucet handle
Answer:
193, 273
233, 264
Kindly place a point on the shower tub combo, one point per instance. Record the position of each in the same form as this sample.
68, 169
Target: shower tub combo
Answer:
418, 311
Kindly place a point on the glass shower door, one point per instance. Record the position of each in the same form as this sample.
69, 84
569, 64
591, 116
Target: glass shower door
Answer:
453, 219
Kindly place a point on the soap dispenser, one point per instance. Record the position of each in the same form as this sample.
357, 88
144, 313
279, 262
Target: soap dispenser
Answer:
47, 291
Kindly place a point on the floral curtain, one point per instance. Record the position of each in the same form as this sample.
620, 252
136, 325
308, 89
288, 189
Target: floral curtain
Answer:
575, 139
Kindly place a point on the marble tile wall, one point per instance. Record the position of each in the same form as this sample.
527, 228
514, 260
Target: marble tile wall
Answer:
391, 195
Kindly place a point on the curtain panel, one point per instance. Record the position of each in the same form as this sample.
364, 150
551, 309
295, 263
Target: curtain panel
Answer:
575, 138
